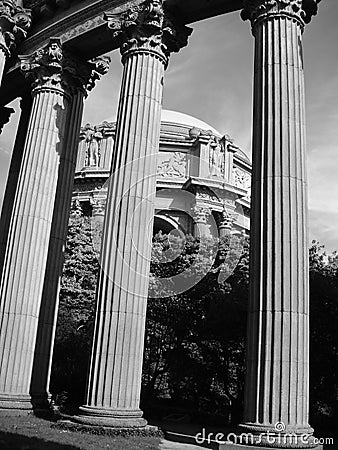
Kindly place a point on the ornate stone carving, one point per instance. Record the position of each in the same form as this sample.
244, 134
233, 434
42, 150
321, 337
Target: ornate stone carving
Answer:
52, 67
15, 21
175, 166
302, 10
242, 179
148, 27
216, 157
87, 187
92, 137
99, 206
200, 213
206, 196
226, 218
76, 208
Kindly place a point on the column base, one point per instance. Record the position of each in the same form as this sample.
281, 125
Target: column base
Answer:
42, 404
112, 418
15, 405
273, 436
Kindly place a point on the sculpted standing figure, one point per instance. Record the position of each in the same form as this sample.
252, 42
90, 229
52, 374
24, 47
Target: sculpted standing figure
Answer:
92, 139
216, 156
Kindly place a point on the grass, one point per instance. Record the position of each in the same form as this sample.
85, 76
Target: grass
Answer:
32, 433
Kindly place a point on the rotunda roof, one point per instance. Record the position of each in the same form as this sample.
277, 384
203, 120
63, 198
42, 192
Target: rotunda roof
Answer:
185, 119
176, 117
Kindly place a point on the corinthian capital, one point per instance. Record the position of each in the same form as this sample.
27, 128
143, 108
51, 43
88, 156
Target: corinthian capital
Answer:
148, 27
200, 213
15, 21
53, 67
302, 10
227, 218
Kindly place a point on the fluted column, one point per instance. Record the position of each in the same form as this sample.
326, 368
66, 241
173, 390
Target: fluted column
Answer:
13, 174
55, 76
147, 36
15, 21
277, 386
50, 295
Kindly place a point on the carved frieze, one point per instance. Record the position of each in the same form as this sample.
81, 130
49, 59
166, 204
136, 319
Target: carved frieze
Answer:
206, 195
87, 187
174, 166
242, 180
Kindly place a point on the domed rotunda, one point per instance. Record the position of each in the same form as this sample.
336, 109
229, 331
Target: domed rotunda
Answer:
203, 178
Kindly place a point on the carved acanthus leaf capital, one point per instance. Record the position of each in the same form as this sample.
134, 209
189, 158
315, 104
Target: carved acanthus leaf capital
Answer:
148, 26
15, 22
201, 213
227, 218
53, 67
256, 10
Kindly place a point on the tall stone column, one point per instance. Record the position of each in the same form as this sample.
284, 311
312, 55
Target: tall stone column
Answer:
55, 77
147, 37
13, 174
277, 386
15, 21
39, 389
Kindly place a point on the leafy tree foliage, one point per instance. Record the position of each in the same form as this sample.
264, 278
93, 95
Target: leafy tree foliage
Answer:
324, 335
194, 345
195, 340
76, 311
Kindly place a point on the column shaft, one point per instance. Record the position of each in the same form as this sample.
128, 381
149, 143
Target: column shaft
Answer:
277, 385
116, 364
50, 294
27, 245
13, 174
46, 172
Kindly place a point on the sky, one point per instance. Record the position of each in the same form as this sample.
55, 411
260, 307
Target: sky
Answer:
211, 79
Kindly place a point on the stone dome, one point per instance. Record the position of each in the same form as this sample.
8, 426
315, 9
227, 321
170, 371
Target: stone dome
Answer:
178, 118
184, 119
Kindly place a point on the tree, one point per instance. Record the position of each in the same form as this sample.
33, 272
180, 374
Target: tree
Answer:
323, 335
76, 310
195, 340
